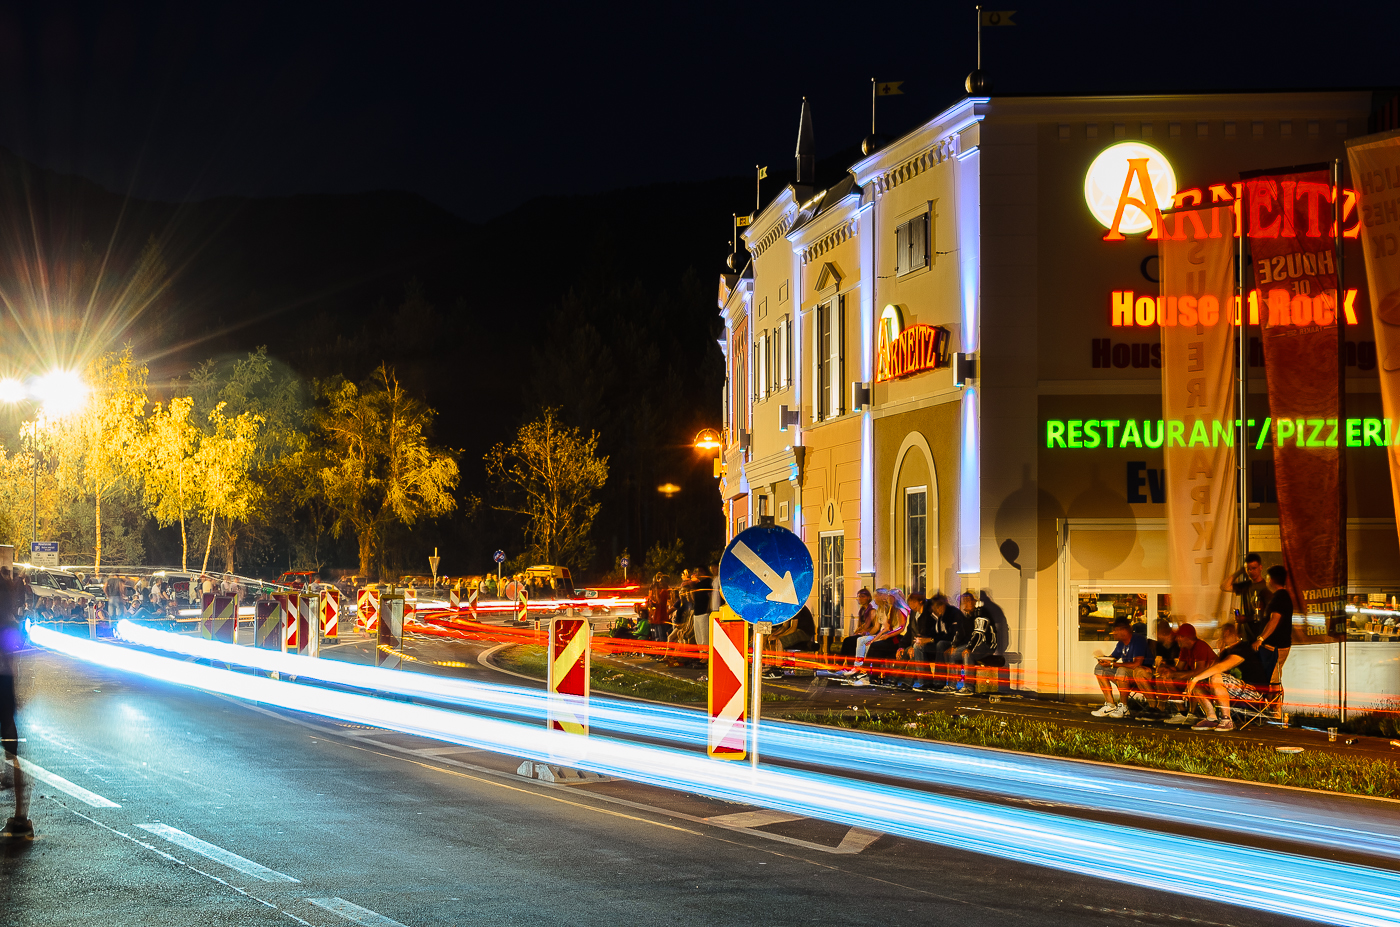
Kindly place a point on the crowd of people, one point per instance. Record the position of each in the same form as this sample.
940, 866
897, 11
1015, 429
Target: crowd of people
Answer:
1180, 679
676, 615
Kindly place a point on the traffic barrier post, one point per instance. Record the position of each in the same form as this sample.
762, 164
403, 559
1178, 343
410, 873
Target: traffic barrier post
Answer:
309, 625
410, 604
267, 625
206, 616
568, 675
367, 610
289, 604
454, 598
390, 636
223, 622
471, 602
522, 607
330, 614
728, 685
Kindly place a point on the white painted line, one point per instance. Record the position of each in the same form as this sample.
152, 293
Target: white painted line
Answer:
857, 839
63, 785
217, 854
760, 818
353, 912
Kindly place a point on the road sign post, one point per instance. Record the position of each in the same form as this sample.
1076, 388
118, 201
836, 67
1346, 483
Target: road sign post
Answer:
44, 554
766, 575
433, 562
500, 558
728, 685
624, 563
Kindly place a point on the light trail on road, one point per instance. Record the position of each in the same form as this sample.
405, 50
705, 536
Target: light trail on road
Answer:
1018, 776
1283, 883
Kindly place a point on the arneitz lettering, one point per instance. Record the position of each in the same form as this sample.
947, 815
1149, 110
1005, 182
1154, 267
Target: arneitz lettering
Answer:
916, 349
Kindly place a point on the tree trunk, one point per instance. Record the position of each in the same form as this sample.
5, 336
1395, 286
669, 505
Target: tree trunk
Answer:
184, 542
230, 541
367, 554
208, 544
97, 554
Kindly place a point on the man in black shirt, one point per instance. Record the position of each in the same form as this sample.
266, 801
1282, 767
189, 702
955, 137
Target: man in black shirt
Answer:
1275, 638
1248, 583
1234, 653
928, 624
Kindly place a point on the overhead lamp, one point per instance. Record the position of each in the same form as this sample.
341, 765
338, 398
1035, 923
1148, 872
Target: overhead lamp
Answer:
12, 391
708, 440
62, 392
668, 489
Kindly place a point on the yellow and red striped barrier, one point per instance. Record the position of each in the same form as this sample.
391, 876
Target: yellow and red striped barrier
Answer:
267, 625
522, 607
729, 688
568, 675
206, 616
367, 610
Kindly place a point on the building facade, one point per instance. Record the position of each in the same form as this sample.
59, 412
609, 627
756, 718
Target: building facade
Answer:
910, 337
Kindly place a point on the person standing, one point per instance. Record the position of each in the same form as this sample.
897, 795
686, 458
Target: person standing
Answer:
1274, 641
703, 596
19, 827
1248, 583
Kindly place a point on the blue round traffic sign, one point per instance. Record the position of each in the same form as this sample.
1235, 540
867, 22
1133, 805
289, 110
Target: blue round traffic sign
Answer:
766, 574
500, 556
624, 562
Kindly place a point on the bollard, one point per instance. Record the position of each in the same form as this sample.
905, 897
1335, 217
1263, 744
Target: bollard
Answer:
223, 621
330, 614
206, 616
568, 675
367, 610
267, 625
308, 625
390, 635
728, 685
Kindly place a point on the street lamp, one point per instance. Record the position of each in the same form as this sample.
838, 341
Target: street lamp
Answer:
709, 442
58, 393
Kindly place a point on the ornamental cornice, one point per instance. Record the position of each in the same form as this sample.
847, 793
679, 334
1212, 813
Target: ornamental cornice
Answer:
930, 157
842, 233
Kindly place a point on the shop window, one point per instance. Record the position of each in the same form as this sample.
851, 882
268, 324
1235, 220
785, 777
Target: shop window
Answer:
911, 244
916, 535
831, 583
782, 511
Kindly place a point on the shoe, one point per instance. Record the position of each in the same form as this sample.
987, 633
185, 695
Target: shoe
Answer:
1180, 718
859, 679
18, 829
772, 674
1107, 709
1226, 725
963, 690
1208, 724
917, 687
1120, 712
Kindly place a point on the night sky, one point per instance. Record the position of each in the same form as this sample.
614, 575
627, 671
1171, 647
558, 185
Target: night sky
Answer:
479, 108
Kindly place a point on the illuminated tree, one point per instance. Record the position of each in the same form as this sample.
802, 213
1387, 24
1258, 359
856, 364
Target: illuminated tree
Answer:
173, 484
549, 475
224, 463
378, 466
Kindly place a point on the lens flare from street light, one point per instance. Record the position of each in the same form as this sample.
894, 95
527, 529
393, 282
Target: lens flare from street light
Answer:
62, 392
12, 391
707, 440
668, 489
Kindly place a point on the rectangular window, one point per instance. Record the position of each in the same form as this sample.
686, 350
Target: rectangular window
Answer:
916, 521
740, 381
782, 511
823, 361
834, 370
831, 583
911, 244
787, 351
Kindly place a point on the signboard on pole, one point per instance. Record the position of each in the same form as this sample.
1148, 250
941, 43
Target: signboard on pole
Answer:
766, 574
43, 553
433, 562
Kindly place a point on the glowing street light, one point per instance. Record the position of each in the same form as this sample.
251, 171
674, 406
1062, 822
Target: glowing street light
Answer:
62, 392
668, 489
12, 391
707, 440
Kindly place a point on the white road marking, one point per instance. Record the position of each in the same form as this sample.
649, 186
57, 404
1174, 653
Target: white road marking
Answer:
353, 912
857, 839
63, 785
217, 854
760, 818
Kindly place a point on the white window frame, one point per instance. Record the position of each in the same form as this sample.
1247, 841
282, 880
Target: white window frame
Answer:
910, 491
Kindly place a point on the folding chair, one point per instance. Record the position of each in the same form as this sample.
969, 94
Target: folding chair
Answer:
1254, 709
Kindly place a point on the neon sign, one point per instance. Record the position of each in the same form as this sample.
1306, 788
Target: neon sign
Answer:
1129, 184
917, 348
1278, 305
1303, 432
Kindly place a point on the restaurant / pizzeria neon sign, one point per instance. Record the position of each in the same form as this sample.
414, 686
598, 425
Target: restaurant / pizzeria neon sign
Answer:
1149, 433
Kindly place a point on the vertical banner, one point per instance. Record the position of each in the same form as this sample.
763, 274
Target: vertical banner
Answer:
1197, 321
1375, 172
1293, 264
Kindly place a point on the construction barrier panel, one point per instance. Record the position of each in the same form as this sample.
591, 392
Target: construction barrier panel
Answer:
223, 625
267, 625
410, 604
309, 625
568, 675
471, 602
522, 607
729, 686
388, 653
330, 614
454, 598
206, 616
367, 610
289, 604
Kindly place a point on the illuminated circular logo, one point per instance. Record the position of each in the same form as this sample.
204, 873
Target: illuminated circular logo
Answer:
1114, 187
891, 324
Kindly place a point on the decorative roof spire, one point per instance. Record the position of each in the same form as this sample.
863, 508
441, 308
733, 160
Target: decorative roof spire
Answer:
806, 147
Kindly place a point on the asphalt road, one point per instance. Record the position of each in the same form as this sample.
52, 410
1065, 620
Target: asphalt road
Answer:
231, 813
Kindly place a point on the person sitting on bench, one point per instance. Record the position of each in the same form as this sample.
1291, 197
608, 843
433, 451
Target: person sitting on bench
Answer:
1254, 681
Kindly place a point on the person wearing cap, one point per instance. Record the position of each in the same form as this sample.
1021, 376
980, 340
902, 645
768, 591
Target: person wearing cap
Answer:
865, 622
1190, 655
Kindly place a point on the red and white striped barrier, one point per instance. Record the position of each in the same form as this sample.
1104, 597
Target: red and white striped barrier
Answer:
471, 602
330, 614
454, 598
289, 605
568, 675
309, 625
729, 688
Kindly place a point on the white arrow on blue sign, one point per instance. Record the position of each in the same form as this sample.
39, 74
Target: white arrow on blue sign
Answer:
624, 562
766, 574
500, 556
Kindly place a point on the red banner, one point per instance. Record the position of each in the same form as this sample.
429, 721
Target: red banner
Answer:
1294, 269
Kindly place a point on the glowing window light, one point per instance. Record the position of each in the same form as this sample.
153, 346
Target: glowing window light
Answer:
1112, 182
62, 392
1315, 889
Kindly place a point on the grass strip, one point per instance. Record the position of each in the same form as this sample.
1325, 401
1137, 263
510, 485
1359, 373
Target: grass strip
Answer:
1208, 755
